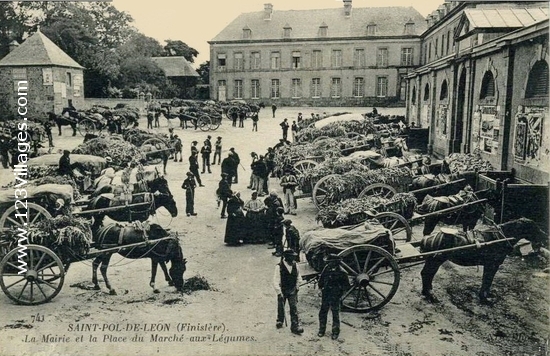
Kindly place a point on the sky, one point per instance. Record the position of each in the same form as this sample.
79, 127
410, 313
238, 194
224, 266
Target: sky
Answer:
197, 21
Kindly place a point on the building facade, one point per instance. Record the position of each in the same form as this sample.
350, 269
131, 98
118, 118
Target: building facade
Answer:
483, 85
328, 57
44, 74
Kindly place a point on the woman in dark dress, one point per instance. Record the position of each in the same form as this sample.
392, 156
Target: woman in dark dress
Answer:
235, 229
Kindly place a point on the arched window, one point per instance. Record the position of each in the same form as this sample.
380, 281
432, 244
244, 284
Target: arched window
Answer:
413, 97
444, 91
487, 85
537, 84
427, 92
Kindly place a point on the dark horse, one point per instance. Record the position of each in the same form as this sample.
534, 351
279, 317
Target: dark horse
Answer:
160, 252
71, 121
159, 184
490, 257
121, 212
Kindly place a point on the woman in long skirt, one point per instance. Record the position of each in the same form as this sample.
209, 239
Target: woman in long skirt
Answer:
235, 229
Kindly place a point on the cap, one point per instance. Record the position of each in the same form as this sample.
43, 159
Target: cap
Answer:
254, 192
175, 136
195, 142
190, 174
333, 258
273, 193
209, 136
219, 137
66, 151
289, 253
287, 221
232, 149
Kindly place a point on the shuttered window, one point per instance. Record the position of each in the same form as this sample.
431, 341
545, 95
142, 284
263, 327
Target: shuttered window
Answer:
537, 84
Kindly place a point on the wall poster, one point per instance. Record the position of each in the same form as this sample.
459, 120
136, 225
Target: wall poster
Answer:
489, 127
19, 73
441, 122
47, 76
531, 144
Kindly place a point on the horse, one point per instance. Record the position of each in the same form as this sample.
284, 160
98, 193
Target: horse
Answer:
158, 183
64, 121
124, 213
490, 257
159, 253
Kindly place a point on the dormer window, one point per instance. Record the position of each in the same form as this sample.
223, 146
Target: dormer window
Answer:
409, 28
323, 30
287, 30
371, 29
247, 33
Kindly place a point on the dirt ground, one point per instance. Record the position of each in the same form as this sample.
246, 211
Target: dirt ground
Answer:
236, 316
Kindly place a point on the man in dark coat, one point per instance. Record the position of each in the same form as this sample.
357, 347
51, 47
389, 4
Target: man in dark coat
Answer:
292, 237
194, 167
286, 282
48, 129
194, 147
228, 167
273, 109
284, 126
65, 164
218, 151
333, 283
236, 163
224, 193
206, 150
189, 186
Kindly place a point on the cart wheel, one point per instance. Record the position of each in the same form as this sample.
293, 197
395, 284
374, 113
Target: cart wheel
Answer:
320, 138
156, 142
86, 126
204, 123
321, 195
397, 224
303, 165
381, 190
231, 110
215, 123
373, 276
34, 213
42, 280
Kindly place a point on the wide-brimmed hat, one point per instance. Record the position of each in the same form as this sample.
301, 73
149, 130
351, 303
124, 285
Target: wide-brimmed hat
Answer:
195, 142
219, 137
287, 221
66, 151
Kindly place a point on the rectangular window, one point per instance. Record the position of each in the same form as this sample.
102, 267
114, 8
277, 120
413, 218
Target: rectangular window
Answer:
406, 56
317, 59
443, 45
382, 57
247, 33
371, 30
239, 63
275, 60
275, 89
255, 60
295, 61
286, 32
323, 31
69, 80
255, 89
430, 52
436, 47
221, 83
359, 58
336, 58
382, 86
358, 87
448, 41
221, 61
425, 56
316, 87
296, 89
238, 89
336, 88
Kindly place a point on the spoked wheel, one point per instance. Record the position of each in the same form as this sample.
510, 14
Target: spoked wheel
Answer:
86, 126
373, 276
397, 224
303, 165
204, 123
231, 110
215, 123
41, 280
321, 194
158, 143
13, 216
381, 190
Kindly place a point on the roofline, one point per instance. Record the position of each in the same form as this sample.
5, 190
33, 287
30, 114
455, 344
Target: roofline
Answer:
450, 14
323, 39
41, 65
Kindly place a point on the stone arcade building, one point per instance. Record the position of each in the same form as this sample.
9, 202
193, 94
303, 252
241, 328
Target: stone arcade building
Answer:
324, 57
53, 78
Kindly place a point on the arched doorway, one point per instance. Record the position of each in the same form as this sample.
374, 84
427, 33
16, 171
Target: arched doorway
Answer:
459, 120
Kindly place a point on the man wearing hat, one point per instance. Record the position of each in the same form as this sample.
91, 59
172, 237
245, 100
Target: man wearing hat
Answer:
65, 164
292, 237
228, 167
194, 147
206, 150
177, 148
224, 193
236, 161
272, 202
289, 184
194, 166
189, 186
217, 151
286, 280
333, 282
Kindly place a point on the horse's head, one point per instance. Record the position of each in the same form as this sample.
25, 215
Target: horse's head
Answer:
159, 184
524, 228
178, 264
167, 201
157, 232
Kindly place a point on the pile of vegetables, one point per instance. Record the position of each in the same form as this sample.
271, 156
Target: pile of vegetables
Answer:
354, 211
121, 152
138, 137
332, 166
311, 133
463, 162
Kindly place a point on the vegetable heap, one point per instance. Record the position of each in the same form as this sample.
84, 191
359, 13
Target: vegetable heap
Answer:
462, 162
311, 133
138, 137
121, 152
332, 166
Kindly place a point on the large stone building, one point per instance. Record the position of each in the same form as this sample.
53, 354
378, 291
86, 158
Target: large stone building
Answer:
324, 57
48, 76
483, 84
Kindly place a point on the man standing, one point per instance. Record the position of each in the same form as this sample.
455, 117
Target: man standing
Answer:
273, 109
294, 130
178, 147
194, 167
236, 163
227, 167
242, 116
255, 120
286, 284
292, 238
65, 164
194, 148
333, 282
218, 151
206, 150
48, 129
289, 184
189, 186
224, 192
284, 126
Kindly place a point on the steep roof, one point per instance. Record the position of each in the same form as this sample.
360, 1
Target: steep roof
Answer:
175, 66
502, 18
38, 50
390, 21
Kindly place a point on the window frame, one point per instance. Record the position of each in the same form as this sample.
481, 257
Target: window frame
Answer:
238, 91
358, 91
277, 90
336, 60
379, 62
315, 86
338, 87
238, 62
255, 62
381, 79
275, 55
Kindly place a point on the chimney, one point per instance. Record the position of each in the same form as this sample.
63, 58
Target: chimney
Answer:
268, 11
442, 10
13, 45
347, 8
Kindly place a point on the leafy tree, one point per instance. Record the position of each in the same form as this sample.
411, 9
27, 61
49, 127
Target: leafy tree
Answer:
13, 25
179, 48
204, 72
140, 45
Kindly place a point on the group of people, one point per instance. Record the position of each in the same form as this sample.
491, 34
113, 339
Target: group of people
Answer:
294, 128
241, 115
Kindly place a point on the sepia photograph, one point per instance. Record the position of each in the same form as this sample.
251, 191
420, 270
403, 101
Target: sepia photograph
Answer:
274, 178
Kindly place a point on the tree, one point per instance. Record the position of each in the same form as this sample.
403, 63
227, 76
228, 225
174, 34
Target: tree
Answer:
13, 25
179, 48
140, 45
204, 72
